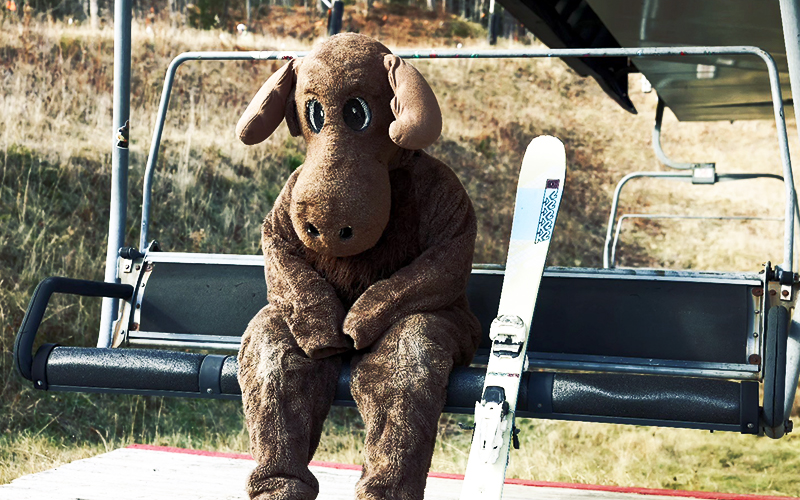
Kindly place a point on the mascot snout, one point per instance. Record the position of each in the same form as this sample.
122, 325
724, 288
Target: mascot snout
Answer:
341, 215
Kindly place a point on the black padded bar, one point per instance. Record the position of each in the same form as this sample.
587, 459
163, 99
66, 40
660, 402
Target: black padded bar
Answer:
23, 344
229, 382
138, 369
778, 320
648, 397
613, 398
641, 400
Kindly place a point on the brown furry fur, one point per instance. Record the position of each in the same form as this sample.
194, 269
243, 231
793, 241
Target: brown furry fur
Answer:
393, 293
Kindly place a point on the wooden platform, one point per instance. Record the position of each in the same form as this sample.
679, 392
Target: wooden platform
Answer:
152, 473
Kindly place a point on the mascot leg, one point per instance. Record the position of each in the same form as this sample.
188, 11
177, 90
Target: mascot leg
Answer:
400, 387
286, 398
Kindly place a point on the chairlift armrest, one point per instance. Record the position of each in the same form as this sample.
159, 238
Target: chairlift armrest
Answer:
23, 344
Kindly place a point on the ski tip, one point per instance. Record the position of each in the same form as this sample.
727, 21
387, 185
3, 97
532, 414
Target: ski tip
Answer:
546, 141
544, 154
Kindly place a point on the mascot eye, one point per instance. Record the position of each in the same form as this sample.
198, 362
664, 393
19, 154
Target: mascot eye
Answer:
316, 115
357, 114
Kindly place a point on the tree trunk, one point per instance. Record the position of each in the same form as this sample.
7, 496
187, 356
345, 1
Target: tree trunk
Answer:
431, 4
93, 14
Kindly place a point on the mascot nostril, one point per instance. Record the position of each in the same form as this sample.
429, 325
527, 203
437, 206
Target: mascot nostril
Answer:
368, 248
312, 230
346, 233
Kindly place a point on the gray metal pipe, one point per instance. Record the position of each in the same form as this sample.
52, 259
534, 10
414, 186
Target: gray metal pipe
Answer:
612, 218
790, 18
158, 130
119, 161
662, 157
777, 102
614, 226
625, 217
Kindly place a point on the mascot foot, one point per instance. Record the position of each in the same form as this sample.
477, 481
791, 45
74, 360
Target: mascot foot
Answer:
282, 488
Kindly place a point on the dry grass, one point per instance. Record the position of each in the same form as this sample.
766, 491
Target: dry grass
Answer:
55, 120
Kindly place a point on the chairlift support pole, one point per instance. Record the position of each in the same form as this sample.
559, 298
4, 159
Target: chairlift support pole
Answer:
119, 160
790, 18
494, 23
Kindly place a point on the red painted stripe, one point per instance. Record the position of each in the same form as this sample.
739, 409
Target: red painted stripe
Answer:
703, 495
169, 449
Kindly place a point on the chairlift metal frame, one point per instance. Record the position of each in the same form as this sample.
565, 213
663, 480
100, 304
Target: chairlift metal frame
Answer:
729, 386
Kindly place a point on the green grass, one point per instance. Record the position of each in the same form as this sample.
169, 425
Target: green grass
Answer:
212, 193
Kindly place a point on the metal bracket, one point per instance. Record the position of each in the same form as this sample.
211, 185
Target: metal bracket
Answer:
130, 264
704, 173
786, 279
508, 335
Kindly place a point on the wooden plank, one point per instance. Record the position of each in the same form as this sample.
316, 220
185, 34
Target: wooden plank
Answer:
152, 474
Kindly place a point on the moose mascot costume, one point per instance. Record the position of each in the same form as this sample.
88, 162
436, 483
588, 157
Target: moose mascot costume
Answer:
367, 252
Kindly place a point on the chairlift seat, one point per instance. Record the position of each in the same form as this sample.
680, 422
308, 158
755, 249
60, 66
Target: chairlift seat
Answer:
645, 347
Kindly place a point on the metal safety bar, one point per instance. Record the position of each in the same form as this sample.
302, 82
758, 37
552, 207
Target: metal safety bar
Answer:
662, 157
624, 217
777, 103
608, 253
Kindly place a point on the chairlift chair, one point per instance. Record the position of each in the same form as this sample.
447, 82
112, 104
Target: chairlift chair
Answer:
666, 348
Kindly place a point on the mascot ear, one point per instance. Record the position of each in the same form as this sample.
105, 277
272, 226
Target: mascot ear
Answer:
292, 119
418, 117
269, 106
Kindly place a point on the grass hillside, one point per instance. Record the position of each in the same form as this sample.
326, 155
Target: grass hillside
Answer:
212, 193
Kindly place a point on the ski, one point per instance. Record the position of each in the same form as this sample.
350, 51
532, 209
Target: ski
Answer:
541, 182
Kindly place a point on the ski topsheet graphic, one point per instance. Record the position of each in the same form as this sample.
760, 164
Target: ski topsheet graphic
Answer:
541, 182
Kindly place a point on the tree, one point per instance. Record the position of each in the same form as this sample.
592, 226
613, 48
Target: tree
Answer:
93, 14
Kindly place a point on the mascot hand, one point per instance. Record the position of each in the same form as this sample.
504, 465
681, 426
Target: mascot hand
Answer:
317, 336
367, 320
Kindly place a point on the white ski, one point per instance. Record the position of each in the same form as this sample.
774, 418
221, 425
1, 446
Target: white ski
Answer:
541, 182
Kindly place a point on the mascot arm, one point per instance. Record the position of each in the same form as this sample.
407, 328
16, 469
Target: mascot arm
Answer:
304, 299
433, 281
